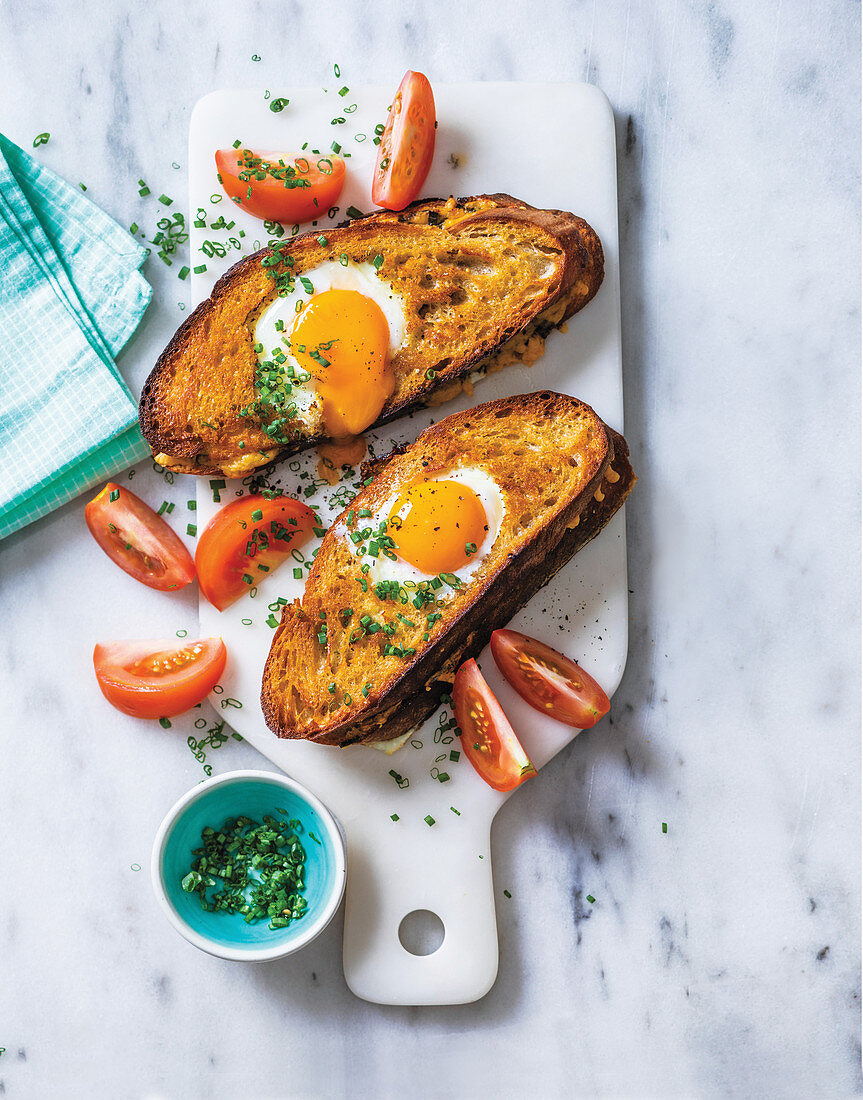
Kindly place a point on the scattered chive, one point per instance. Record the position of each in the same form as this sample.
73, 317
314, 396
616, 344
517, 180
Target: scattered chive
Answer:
429, 820
352, 212
165, 723
191, 529
455, 811
591, 898
115, 495
298, 574
507, 894
665, 826
394, 817
41, 139
165, 200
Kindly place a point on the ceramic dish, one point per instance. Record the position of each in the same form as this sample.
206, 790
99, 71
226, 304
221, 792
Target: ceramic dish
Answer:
252, 794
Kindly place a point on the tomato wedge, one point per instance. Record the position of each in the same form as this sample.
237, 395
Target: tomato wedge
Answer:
549, 681
281, 187
158, 679
407, 144
245, 541
138, 540
487, 738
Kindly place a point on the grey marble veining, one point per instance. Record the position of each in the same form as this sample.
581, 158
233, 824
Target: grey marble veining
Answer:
719, 959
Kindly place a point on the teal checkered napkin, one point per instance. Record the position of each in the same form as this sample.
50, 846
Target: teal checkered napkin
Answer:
71, 295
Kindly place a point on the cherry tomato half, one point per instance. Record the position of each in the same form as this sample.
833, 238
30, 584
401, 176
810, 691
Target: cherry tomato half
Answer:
138, 540
487, 738
245, 541
549, 681
407, 144
158, 679
294, 187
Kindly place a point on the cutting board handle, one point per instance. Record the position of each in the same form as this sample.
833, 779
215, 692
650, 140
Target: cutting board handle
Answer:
391, 879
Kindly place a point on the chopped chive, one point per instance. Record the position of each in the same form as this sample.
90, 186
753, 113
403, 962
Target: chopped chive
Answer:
457, 813
665, 826
591, 898
298, 574
394, 817
191, 529
41, 139
343, 259
165, 200
115, 495
247, 579
279, 105
257, 514
377, 261
272, 621
352, 212
200, 269
507, 894
429, 820
165, 723
183, 272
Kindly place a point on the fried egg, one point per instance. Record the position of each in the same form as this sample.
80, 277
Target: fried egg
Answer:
334, 335
446, 524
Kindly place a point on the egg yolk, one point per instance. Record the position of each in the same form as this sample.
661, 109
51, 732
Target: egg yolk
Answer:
437, 526
342, 338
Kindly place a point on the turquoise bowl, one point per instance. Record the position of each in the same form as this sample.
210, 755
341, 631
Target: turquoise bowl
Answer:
252, 794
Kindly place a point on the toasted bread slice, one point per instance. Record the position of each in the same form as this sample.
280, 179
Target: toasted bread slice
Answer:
481, 282
349, 665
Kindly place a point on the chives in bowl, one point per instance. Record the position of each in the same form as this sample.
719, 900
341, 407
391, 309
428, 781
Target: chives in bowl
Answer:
249, 866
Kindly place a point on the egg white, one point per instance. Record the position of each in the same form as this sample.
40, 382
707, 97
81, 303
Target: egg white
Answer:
382, 568
331, 275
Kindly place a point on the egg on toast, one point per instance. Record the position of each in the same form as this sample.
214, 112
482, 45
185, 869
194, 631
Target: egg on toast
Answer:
452, 536
325, 335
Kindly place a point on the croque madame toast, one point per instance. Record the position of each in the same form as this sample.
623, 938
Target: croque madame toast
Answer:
476, 283
365, 658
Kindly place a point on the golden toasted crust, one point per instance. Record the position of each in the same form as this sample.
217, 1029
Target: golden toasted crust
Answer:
475, 276
549, 455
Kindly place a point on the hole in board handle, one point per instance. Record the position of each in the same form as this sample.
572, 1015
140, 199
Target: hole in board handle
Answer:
421, 932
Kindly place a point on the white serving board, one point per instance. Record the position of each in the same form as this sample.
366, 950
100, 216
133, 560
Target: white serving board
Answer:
553, 146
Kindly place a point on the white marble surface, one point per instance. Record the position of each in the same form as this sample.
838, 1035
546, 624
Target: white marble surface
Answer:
720, 959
